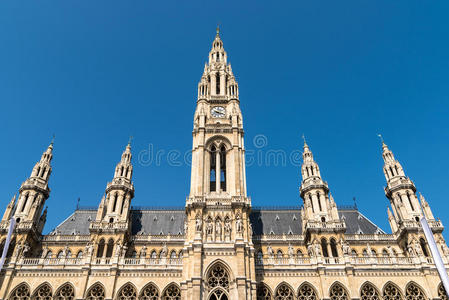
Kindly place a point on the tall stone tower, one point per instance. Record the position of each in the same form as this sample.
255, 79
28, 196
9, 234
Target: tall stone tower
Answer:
218, 234
407, 209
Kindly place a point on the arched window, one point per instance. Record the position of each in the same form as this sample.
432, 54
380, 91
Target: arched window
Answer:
49, 254
338, 292
68, 254
391, 292
218, 277
43, 292
423, 247
299, 253
369, 292
115, 202
385, 253
307, 292
60, 254
213, 160
110, 248
96, 292
218, 294
127, 292
172, 292
173, 256
414, 292
25, 202
365, 252
353, 252
263, 292
100, 249
223, 168
180, 253
259, 257
65, 292
319, 201
334, 248
2, 245
21, 292
149, 292
284, 292
442, 292
324, 247
217, 81
80, 254
279, 254
153, 255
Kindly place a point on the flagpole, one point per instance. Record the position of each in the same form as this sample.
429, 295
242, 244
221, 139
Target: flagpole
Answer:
12, 223
435, 254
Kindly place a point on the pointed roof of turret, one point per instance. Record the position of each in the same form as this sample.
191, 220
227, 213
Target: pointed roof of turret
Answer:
307, 154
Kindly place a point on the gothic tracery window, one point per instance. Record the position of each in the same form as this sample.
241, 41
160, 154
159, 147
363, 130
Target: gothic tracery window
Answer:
66, 292
338, 292
442, 292
369, 292
218, 277
96, 292
284, 292
414, 292
391, 292
128, 292
218, 294
150, 292
263, 292
306, 292
44, 292
22, 292
172, 293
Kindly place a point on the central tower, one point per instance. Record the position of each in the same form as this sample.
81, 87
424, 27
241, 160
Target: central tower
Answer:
218, 231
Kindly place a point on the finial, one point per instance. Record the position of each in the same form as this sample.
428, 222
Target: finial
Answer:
218, 29
130, 140
78, 203
304, 138
355, 202
381, 138
52, 140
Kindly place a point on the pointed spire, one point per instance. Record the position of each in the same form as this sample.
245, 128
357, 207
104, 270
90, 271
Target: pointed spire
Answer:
13, 201
423, 200
307, 154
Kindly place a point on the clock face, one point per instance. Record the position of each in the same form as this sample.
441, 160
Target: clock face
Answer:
218, 112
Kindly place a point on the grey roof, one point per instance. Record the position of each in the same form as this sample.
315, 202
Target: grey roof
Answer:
171, 221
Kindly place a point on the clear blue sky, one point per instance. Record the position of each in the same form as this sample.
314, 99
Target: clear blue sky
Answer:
95, 72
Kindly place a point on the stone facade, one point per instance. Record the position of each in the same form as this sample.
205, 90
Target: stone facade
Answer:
218, 246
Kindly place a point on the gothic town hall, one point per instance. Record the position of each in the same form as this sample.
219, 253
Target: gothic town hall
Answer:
219, 247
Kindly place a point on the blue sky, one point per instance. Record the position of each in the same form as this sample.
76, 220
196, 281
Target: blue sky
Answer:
95, 72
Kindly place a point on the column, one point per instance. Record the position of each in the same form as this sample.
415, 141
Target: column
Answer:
217, 171
222, 84
213, 83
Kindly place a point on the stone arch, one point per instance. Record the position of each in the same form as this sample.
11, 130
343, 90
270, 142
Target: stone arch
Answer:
264, 292
218, 293
21, 292
284, 291
442, 292
43, 292
414, 292
338, 291
65, 292
95, 292
307, 291
128, 291
391, 292
149, 292
171, 292
218, 275
218, 140
368, 291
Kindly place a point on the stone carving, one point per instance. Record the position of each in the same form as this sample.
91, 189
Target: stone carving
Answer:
238, 224
227, 226
218, 229
310, 251
143, 252
198, 223
290, 251
345, 247
209, 227
164, 251
317, 248
270, 251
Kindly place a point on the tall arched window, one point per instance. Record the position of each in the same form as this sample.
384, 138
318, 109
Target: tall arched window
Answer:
25, 202
334, 248
110, 248
307, 292
338, 292
100, 249
369, 292
21, 292
96, 292
127, 292
213, 166
173, 256
324, 247
223, 168
115, 202
422, 242
65, 292
172, 292
284, 292
391, 292
263, 292
149, 292
217, 80
414, 292
43, 292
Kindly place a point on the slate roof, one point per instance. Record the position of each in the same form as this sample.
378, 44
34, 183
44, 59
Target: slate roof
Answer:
171, 221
